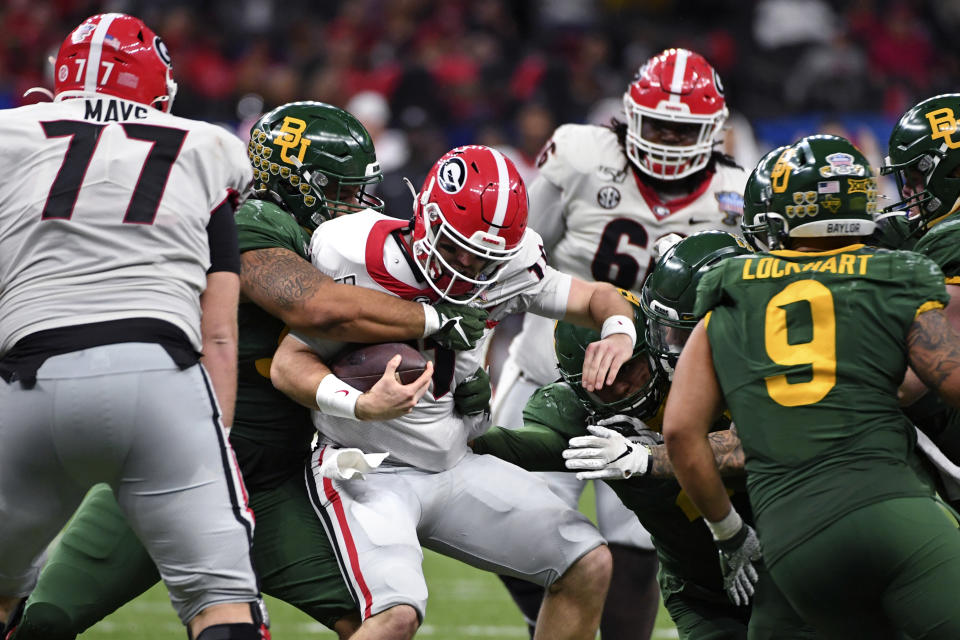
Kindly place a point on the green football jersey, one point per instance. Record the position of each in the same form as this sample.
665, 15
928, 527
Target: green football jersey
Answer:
271, 434
809, 350
688, 557
941, 243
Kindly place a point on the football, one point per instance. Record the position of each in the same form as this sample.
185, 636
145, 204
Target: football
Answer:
363, 365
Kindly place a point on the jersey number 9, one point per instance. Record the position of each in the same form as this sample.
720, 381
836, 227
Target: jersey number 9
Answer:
819, 352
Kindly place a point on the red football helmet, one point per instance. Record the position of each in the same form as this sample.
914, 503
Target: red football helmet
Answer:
116, 54
680, 87
473, 200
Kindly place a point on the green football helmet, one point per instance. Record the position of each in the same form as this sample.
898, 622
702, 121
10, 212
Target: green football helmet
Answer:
643, 402
315, 160
670, 291
820, 186
924, 157
756, 201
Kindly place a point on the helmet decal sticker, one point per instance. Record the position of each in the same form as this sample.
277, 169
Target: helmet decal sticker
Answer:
162, 52
452, 175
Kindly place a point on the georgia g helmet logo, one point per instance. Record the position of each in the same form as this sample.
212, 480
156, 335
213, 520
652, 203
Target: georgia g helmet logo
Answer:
161, 48
452, 175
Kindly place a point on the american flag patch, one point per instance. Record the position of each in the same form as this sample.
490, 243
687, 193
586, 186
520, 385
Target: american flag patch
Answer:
829, 186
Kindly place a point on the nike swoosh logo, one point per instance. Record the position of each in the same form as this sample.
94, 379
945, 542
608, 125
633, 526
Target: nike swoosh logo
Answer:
624, 454
343, 391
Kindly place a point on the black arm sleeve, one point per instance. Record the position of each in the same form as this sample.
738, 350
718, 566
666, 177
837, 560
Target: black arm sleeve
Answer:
222, 239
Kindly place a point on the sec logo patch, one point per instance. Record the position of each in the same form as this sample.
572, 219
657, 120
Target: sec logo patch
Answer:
608, 197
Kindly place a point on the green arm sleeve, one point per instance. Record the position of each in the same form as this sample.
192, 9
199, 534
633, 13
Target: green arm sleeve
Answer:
535, 447
551, 417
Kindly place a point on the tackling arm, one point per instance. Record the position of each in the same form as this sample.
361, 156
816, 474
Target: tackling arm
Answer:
934, 354
727, 454
290, 288
218, 328
913, 388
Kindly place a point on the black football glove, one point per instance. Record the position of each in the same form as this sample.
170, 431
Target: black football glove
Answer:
472, 396
461, 326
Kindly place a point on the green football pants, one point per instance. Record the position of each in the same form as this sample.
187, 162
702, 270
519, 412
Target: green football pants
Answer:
99, 564
892, 565
770, 616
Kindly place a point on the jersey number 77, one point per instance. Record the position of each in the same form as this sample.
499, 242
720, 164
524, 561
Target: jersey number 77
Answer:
84, 136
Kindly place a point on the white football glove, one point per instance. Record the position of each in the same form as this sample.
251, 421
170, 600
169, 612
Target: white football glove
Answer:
347, 464
605, 455
633, 428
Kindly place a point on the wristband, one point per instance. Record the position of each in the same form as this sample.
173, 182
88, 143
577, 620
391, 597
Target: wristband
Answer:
726, 528
431, 320
336, 398
619, 324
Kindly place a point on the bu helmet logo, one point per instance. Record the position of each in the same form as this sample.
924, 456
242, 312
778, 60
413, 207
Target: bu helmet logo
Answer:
780, 173
943, 124
291, 135
452, 175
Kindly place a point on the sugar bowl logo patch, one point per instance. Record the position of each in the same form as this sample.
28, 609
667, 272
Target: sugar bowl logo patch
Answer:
452, 175
841, 164
608, 197
730, 204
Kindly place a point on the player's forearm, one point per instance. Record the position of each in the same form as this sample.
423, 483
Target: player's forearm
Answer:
218, 329
311, 303
356, 314
532, 447
727, 454
694, 403
297, 372
934, 354
220, 361
696, 471
590, 303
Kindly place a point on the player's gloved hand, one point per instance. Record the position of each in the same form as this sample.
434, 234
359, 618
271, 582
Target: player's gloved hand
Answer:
460, 326
633, 428
738, 552
605, 455
472, 396
347, 464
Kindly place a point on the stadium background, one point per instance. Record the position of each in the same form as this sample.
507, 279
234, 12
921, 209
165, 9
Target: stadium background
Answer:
425, 75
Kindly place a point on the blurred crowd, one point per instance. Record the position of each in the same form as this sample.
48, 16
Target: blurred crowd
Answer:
425, 75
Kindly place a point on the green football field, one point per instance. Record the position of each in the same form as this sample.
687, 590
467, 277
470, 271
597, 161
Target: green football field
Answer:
465, 604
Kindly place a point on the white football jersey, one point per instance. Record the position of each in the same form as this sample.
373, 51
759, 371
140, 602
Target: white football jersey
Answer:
605, 221
363, 249
104, 205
